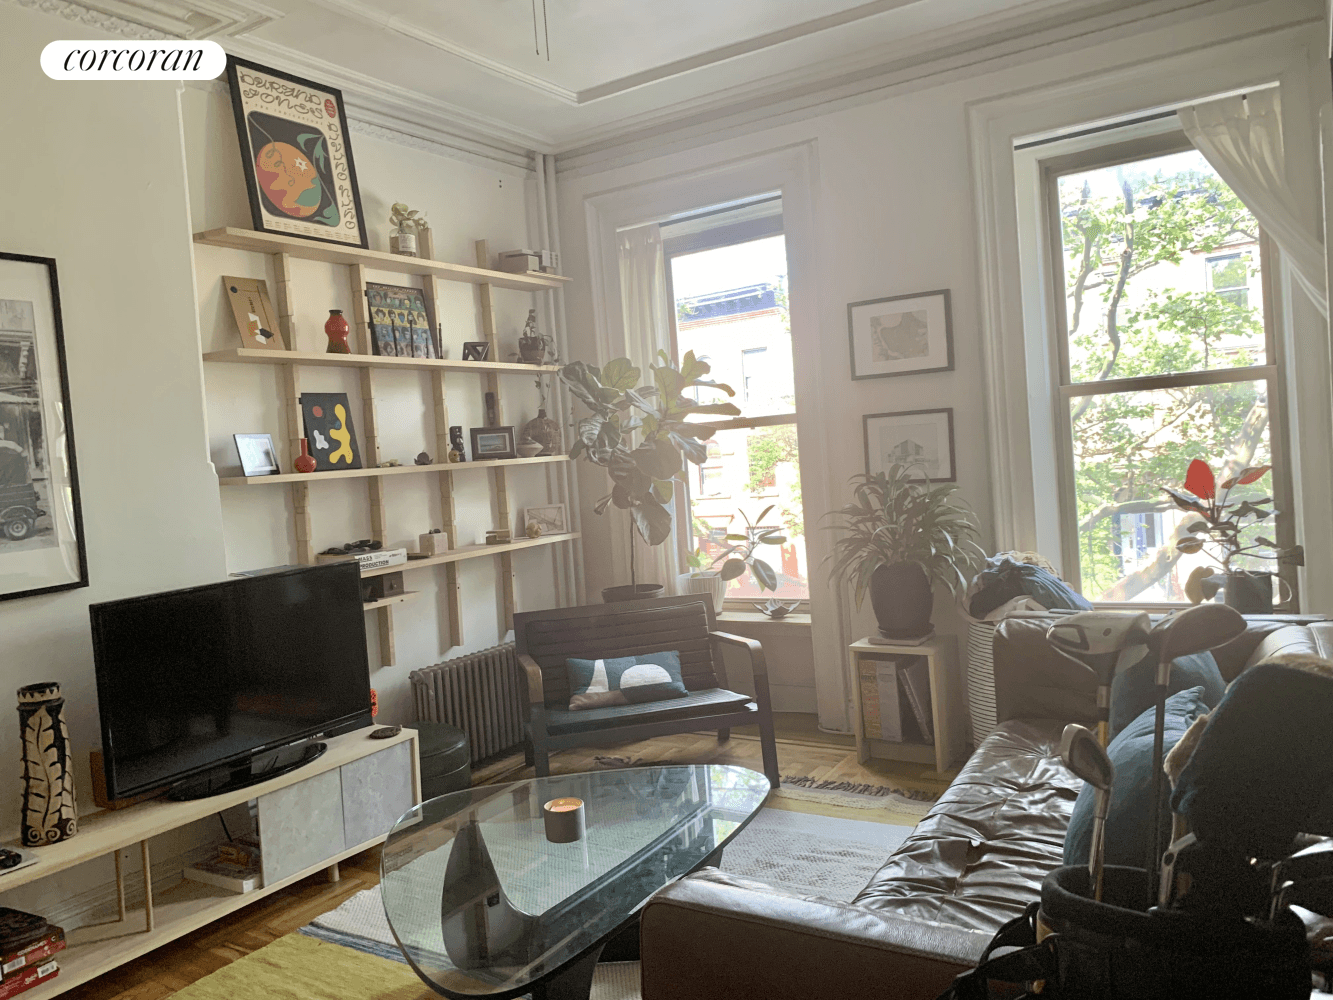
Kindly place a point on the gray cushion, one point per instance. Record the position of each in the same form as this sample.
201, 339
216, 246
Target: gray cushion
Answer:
710, 701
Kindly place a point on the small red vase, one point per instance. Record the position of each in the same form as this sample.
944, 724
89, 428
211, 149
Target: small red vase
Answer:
337, 329
305, 462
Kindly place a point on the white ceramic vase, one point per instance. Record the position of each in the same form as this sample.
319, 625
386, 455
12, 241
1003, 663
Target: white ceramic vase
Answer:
704, 582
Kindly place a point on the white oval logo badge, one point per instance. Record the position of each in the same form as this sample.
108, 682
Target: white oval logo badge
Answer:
165, 59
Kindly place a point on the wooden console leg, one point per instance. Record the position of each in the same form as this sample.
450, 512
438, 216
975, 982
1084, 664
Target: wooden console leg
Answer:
333, 873
147, 885
120, 889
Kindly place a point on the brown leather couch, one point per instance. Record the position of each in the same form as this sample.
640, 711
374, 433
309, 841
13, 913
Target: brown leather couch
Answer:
976, 860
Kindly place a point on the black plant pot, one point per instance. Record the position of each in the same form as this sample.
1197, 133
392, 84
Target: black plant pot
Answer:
1249, 593
902, 598
639, 592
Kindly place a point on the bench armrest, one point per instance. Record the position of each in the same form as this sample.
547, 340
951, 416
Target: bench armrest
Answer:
533, 673
758, 665
724, 937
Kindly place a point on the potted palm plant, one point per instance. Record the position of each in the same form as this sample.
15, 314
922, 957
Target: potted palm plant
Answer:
900, 536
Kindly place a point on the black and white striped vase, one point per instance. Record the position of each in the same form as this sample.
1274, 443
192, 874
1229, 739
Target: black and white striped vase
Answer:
50, 813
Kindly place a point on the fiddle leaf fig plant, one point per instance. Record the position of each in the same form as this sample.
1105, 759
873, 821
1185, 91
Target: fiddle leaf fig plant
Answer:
895, 518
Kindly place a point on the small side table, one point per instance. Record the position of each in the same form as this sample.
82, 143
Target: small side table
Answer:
948, 714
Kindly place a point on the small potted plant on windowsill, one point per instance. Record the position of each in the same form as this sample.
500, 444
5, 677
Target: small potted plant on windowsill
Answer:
735, 559
900, 537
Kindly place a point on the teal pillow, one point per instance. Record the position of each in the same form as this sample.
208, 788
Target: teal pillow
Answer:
1135, 689
1129, 820
622, 680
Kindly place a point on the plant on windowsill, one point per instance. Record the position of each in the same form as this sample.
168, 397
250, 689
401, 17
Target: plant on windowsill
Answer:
643, 475
900, 536
1219, 529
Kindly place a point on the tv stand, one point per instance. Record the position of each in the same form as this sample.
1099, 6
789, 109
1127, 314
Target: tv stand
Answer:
229, 779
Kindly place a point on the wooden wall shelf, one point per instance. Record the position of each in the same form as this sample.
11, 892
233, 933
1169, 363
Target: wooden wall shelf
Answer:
473, 552
393, 470
403, 598
330, 253
249, 355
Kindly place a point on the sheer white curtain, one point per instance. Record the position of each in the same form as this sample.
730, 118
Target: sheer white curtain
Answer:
1241, 137
644, 306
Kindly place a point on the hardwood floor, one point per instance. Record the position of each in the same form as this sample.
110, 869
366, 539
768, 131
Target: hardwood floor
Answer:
802, 750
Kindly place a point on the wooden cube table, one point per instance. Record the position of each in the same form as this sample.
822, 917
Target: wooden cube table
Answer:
947, 711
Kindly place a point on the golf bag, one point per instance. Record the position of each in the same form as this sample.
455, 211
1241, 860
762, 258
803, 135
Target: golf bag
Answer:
1069, 946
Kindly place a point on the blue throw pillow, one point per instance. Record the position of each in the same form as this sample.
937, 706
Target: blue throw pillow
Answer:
1129, 820
621, 680
1135, 689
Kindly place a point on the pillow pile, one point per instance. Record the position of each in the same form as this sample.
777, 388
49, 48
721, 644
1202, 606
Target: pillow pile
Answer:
1135, 688
623, 680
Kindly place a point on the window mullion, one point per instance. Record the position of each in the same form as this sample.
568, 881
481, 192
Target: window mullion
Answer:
1177, 380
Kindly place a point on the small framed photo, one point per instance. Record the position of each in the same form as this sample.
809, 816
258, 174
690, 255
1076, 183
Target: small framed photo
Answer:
492, 442
901, 335
476, 350
257, 455
920, 438
550, 518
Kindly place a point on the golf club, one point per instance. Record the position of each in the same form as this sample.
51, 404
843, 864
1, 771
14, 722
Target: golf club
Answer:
1105, 642
1199, 628
1306, 874
1087, 759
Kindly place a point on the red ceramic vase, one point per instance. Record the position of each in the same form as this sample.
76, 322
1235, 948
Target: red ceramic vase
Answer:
305, 462
337, 329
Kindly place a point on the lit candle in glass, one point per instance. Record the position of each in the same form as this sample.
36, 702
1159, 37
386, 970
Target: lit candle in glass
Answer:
564, 820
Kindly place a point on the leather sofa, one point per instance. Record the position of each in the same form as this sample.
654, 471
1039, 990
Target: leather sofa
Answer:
975, 861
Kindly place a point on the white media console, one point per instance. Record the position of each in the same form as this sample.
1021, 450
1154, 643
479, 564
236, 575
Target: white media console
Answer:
310, 819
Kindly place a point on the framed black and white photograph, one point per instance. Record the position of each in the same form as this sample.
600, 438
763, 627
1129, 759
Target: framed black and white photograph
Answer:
296, 155
901, 335
922, 439
492, 442
257, 455
550, 518
41, 522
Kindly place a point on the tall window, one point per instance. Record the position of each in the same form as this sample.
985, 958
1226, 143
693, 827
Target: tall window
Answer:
1165, 356
728, 274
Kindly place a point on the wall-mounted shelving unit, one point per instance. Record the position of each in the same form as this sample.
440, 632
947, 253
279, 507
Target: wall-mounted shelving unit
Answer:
283, 249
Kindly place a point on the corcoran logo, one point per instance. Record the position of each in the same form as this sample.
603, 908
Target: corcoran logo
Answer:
165, 59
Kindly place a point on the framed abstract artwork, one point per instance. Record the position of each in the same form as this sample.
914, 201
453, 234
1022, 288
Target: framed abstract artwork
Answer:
901, 335
329, 433
296, 155
551, 518
401, 321
255, 319
920, 438
41, 521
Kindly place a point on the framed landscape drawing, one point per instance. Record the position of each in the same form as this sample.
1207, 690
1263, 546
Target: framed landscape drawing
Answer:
901, 335
41, 522
296, 155
550, 518
921, 438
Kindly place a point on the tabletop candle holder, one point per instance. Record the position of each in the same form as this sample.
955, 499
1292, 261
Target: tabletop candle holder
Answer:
564, 820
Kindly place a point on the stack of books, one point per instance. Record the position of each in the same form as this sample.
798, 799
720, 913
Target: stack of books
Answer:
234, 867
27, 944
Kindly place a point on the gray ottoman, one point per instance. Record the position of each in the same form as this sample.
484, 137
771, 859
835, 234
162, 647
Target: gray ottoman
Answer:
446, 759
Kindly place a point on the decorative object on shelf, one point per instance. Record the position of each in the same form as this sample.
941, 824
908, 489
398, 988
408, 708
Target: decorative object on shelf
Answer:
563, 820
425, 239
256, 454
255, 318
552, 518
423, 458
527, 261
304, 462
492, 442
329, 430
643, 479
1217, 531
896, 539
353, 548
392, 583
901, 335
454, 456
406, 223
476, 350
434, 543
296, 155
456, 443
50, 812
499, 536
533, 530
401, 321
545, 431
531, 344
337, 329
390, 463
374, 703
492, 411
528, 449
921, 440
41, 521
775, 609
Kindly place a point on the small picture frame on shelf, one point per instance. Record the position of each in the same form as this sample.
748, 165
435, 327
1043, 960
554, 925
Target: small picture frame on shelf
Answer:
492, 442
401, 321
476, 350
257, 455
255, 319
551, 518
916, 438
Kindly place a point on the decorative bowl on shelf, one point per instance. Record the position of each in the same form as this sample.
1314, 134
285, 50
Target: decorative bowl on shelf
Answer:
529, 449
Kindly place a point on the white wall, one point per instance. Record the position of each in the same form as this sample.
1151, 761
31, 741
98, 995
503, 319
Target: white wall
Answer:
894, 214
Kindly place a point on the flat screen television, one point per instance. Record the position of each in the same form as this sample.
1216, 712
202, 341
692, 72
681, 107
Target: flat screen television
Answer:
199, 688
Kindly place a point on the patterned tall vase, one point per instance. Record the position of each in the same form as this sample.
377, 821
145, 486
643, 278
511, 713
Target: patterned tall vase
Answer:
49, 811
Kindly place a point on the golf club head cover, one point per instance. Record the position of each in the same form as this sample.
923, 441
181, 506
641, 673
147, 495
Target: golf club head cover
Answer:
1264, 763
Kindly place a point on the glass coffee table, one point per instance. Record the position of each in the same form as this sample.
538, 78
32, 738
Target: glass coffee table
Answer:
483, 904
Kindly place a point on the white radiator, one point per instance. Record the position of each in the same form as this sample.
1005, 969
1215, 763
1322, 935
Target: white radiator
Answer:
481, 693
